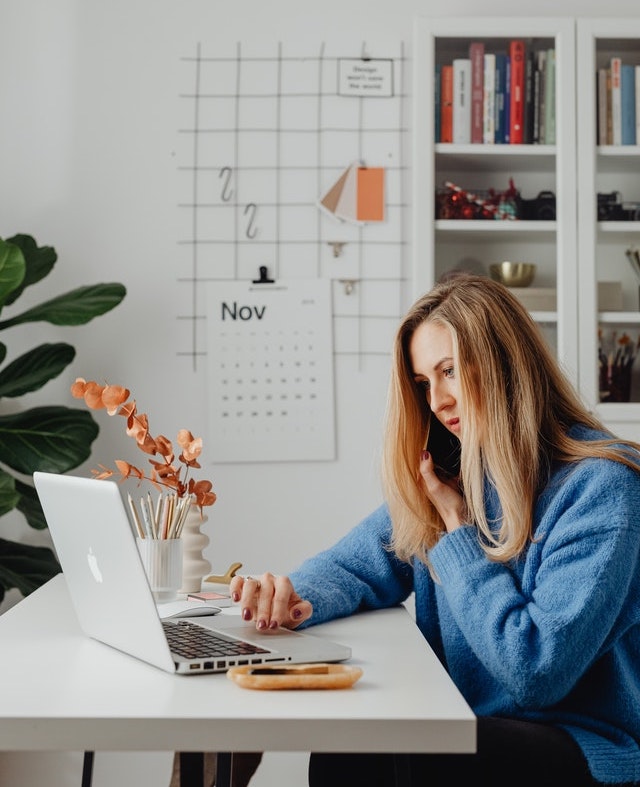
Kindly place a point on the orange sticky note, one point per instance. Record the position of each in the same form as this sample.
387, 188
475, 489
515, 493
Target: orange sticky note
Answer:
370, 203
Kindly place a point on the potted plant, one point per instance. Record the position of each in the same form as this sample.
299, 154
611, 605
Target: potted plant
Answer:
51, 438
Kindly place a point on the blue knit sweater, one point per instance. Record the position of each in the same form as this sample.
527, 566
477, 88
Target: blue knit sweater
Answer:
552, 637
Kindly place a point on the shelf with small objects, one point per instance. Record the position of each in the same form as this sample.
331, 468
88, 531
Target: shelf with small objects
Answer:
608, 73
496, 176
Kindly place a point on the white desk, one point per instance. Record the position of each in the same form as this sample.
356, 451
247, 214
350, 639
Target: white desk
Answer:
63, 692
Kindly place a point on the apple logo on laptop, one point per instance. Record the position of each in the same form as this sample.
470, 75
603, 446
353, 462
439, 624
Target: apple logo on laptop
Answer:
92, 560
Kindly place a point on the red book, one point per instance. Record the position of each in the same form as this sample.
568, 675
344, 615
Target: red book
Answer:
476, 55
446, 104
516, 117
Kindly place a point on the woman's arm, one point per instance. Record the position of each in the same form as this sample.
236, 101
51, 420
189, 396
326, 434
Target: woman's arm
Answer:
359, 572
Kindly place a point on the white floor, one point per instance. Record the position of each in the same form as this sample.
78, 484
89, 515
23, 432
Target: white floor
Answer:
131, 769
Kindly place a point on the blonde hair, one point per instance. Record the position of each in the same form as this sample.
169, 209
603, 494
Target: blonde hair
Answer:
516, 407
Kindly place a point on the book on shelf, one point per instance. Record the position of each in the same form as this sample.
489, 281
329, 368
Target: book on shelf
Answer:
616, 100
540, 98
499, 131
637, 105
437, 82
609, 138
628, 104
517, 52
507, 101
489, 104
462, 101
550, 99
602, 94
476, 55
446, 104
527, 121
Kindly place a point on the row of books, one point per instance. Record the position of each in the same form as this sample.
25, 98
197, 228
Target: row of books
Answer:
497, 97
618, 103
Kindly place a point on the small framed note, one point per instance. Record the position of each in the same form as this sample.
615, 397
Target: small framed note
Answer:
365, 77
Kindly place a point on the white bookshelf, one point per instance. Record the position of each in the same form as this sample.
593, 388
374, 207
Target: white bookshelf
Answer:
602, 244
443, 245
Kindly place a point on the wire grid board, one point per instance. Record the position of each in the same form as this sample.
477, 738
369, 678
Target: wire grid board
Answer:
265, 129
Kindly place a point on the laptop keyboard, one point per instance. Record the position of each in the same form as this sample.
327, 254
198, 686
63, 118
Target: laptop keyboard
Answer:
192, 642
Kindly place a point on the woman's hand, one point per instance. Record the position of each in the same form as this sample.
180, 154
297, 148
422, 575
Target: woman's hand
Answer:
445, 495
270, 600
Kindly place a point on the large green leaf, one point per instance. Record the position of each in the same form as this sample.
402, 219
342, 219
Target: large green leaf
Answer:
9, 497
52, 439
39, 261
75, 307
12, 269
29, 505
31, 371
25, 567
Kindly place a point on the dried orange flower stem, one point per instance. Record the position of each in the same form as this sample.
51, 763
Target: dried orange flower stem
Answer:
164, 472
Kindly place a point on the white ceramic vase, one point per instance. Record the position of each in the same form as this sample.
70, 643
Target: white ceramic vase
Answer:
194, 565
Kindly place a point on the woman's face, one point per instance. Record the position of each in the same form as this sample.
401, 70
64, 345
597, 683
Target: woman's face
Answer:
431, 356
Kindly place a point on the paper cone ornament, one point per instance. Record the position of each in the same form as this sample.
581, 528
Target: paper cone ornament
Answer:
357, 195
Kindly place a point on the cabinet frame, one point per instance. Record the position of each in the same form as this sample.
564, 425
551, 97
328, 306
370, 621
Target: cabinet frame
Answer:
593, 160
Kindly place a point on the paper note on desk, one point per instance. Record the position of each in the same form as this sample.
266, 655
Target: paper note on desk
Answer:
270, 372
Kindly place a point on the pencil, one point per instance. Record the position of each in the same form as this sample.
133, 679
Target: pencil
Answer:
136, 518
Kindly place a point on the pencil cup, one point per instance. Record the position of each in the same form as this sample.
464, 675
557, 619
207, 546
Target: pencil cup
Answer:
162, 561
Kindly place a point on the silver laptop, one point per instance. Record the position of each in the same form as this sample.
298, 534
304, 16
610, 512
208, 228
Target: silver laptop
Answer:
96, 547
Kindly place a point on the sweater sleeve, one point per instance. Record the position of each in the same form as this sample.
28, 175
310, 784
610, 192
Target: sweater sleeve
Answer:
359, 572
539, 628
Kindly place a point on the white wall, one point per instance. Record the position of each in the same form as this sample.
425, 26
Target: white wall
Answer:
88, 93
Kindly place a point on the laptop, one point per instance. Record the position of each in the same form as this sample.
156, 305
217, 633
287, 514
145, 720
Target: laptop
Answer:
96, 547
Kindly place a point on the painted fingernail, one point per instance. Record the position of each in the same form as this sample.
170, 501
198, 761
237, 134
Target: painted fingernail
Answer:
262, 624
273, 625
246, 613
297, 614
424, 454
235, 596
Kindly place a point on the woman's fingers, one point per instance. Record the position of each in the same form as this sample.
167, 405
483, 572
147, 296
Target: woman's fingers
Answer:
269, 600
445, 495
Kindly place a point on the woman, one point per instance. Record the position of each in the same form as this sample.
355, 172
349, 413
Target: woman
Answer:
515, 518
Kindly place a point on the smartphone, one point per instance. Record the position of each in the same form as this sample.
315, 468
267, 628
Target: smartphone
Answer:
444, 447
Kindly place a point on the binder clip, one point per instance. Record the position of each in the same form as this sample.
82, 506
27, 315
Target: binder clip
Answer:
264, 276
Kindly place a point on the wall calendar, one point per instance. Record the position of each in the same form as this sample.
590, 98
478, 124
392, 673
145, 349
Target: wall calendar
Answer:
270, 376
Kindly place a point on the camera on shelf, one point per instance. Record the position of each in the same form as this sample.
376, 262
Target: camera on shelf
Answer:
612, 208
540, 208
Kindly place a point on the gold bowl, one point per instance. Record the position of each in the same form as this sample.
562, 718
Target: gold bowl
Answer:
513, 274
